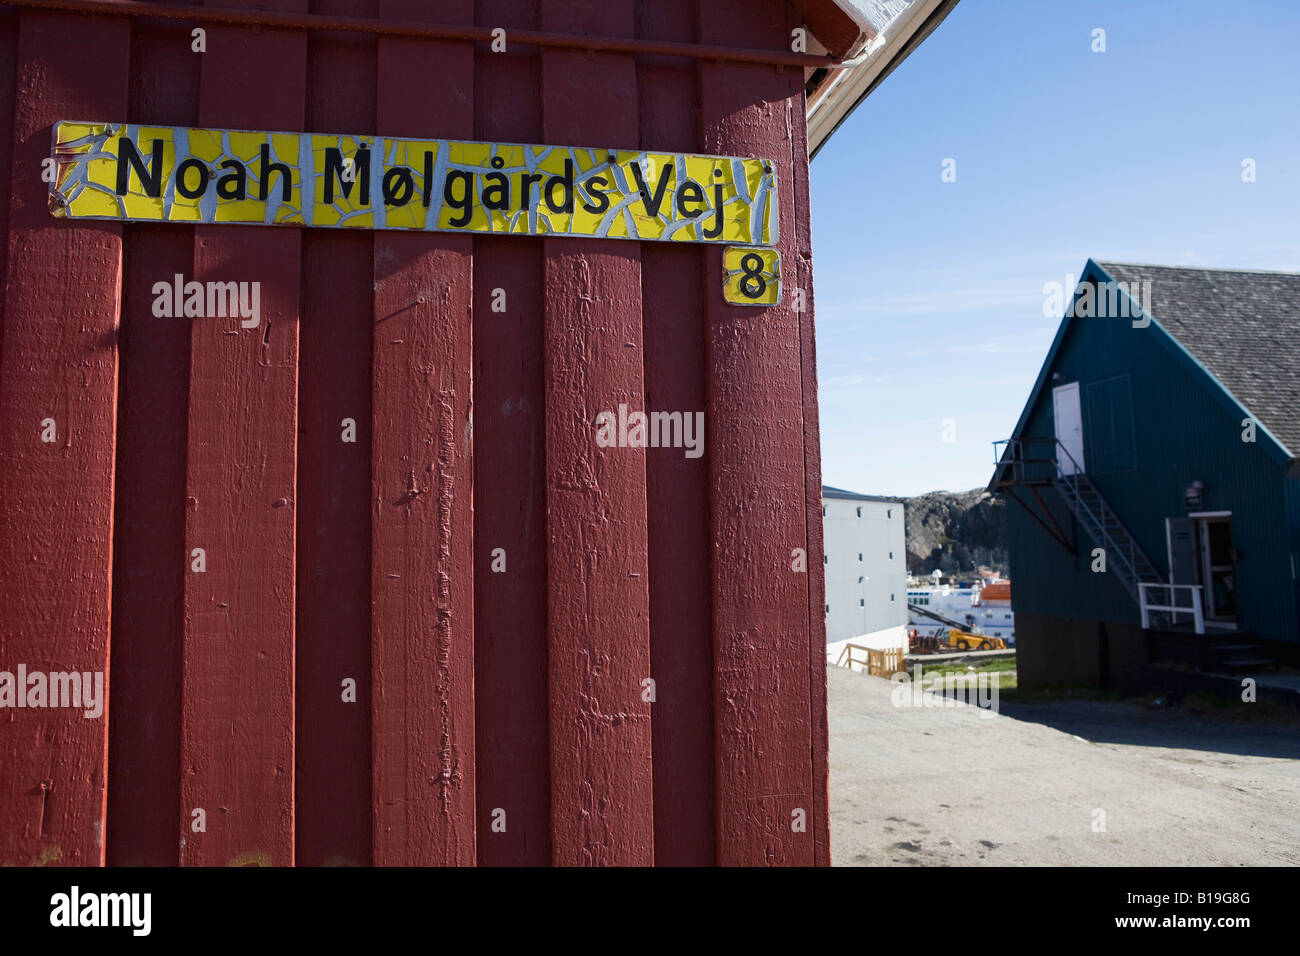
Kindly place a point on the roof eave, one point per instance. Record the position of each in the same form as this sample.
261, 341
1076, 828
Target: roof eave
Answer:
875, 57
843, 494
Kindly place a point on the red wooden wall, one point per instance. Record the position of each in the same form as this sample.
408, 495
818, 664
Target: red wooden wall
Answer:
499, 715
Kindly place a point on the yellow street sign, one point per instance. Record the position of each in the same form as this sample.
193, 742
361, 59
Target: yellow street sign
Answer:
175, 174
751, 276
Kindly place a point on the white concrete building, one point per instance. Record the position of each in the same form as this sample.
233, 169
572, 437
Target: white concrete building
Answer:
866, 570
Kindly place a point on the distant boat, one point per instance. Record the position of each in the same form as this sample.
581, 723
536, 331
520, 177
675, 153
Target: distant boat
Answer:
982, 609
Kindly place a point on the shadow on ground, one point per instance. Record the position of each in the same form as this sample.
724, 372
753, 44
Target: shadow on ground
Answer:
1123, 722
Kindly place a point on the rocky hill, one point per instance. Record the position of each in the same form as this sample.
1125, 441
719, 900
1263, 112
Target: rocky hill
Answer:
956, 531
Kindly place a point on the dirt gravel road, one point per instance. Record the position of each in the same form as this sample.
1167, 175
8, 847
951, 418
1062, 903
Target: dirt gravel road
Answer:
916, 785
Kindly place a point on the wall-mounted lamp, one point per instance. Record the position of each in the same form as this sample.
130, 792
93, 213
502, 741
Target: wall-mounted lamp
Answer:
1193, 495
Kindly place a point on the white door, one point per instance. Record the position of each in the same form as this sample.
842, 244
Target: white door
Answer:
1069, 427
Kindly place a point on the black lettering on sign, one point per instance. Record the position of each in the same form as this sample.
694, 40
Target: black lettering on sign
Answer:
128, 158
690, 192
264, 177
595, 187
715, 230
334, 167
526, 190
239, 190
465, 201
565, 182
651, 203
182, 171
399, 186
496, 194
752, 282
428, 176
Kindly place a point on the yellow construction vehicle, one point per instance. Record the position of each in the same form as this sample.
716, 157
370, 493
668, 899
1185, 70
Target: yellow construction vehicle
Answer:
966, 641
958, 639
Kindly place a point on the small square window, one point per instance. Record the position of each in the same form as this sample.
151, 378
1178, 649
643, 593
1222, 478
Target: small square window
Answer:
862, 602
889, 512
859, 512
859, 555
891, 556
828, 609
826, 559
891, 597
823, 510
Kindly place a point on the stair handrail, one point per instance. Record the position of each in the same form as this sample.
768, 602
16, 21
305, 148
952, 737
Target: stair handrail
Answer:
847, 652
1108, 542
1015, 458
1128, 558
1195, 608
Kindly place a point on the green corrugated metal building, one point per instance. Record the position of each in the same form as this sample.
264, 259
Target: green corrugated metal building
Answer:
1156, 460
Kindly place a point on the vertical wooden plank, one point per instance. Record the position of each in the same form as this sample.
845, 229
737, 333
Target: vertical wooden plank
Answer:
148, 553
56, 522
510, 515
8, 95
602, 788
800, 279
512, 714
760, 605
237, 689
149, 521
677, 487
421, 482
332, 782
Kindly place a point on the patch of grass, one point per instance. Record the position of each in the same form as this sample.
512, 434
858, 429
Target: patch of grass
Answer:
1003, 670
954, 667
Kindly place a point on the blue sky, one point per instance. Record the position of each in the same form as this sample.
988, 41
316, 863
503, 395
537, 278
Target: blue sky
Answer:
929, 295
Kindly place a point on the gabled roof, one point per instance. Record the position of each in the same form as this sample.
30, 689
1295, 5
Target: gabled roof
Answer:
1234, 329
1244, 327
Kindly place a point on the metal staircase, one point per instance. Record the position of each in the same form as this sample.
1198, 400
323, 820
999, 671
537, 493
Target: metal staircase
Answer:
1161, 603
1124, 558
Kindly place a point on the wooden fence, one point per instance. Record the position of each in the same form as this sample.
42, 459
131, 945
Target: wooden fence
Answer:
877, 662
